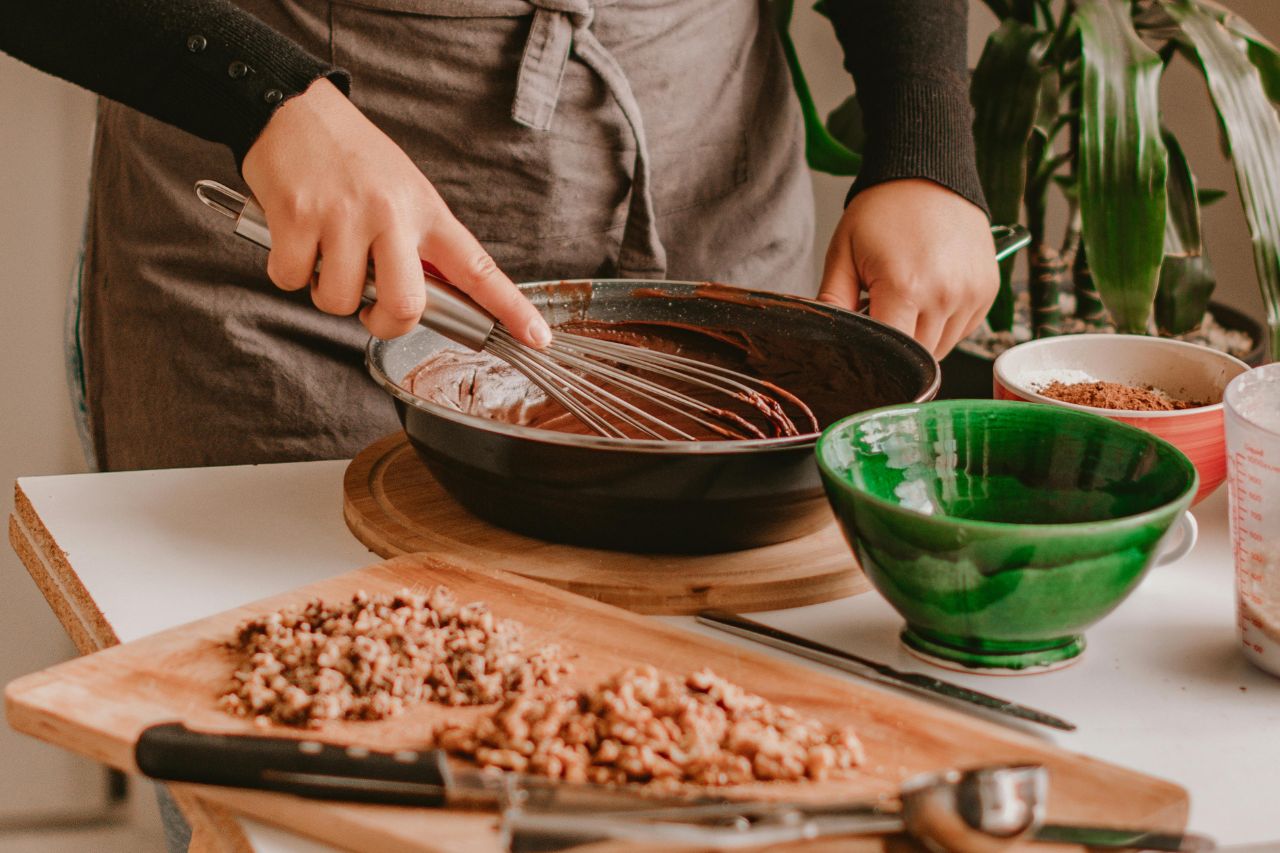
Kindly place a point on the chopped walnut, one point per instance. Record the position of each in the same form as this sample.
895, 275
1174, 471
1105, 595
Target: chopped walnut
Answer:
375, 656
642, 727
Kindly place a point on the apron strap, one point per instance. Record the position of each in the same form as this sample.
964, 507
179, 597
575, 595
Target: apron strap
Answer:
559, 27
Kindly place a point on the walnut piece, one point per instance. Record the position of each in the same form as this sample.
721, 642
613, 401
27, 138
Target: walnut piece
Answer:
658, 730
375, 656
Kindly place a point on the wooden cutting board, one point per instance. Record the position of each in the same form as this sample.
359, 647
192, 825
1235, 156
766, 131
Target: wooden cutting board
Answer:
97, 705
393, 505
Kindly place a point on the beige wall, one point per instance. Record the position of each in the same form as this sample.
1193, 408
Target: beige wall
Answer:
44, 134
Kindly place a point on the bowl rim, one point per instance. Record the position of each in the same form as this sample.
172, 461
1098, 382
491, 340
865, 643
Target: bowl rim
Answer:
1021, 389
629, 445
831, 475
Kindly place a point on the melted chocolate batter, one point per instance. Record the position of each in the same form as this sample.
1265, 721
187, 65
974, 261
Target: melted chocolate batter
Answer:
821, 374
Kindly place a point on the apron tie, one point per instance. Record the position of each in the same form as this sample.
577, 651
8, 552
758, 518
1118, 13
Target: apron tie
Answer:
558, 28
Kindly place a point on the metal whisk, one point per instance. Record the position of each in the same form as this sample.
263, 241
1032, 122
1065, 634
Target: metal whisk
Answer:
607, 385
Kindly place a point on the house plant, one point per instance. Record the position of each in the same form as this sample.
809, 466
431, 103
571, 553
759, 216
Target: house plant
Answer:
1065, 99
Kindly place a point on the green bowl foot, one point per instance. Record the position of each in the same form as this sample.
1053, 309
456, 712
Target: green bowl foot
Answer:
985, 662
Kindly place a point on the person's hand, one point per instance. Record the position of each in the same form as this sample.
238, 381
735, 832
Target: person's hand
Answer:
333, 185
922, 255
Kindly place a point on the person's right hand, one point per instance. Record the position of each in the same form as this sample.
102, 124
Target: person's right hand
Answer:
333, 185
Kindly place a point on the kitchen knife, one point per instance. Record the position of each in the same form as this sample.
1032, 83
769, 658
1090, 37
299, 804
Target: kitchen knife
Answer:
407, 777
740, 626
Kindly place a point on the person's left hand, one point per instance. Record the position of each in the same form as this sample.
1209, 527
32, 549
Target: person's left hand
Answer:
923, 255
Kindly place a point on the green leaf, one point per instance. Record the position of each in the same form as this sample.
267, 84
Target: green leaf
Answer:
1267, 60
1069, 185
1005, 92
845, 124
1262, 53
1025, 11
1208, 196
1186, 283
1182, 226
1122, 162
1186, 278
1252, 129
823, 152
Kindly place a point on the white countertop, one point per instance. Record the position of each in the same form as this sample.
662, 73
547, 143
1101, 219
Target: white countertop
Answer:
1162, 687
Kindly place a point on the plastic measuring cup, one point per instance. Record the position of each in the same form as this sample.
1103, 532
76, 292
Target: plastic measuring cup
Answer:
1253, 471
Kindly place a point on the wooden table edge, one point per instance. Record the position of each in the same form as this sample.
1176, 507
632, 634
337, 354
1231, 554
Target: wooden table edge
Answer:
213, 828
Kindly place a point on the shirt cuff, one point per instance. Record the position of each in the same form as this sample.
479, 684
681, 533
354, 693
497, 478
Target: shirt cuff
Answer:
922, 128
235, 73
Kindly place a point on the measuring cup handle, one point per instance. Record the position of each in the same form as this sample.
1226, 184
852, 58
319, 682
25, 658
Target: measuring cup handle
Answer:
1190, 532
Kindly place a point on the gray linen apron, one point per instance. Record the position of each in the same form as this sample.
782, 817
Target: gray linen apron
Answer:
642, 138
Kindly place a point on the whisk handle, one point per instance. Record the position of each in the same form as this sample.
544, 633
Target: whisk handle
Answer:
449, 311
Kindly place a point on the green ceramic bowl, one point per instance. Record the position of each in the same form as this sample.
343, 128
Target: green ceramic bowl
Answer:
1001, 530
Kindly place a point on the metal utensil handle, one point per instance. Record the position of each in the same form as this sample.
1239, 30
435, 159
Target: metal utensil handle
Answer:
1009, 239
750, 629
449, 311
523, 832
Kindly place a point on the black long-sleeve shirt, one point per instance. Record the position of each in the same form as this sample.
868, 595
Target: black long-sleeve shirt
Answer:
214, 70
909, 59
205, 66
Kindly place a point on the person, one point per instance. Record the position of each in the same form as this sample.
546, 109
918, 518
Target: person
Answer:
499, 139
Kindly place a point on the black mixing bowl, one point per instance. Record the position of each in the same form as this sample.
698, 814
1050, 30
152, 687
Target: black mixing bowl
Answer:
654, 496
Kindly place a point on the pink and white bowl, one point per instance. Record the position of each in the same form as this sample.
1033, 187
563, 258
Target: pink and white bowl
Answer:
1182, 370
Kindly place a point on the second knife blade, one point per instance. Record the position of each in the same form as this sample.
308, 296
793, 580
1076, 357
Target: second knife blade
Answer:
741, 626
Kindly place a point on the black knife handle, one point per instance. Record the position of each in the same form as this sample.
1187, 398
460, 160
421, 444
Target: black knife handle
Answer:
307, 768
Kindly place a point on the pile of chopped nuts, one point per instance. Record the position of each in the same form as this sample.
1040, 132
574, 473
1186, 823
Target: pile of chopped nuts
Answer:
644, 727
375, 656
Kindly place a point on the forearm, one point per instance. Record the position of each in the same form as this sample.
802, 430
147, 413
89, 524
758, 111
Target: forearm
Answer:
908, 59
205, 66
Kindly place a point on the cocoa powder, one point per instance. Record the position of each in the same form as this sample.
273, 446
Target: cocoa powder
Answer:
1114, 395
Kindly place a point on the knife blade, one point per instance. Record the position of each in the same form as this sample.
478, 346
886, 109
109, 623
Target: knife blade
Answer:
1128, 839
407, 777
741, 626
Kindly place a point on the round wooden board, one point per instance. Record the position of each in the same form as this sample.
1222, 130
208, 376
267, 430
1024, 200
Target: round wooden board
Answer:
393, 505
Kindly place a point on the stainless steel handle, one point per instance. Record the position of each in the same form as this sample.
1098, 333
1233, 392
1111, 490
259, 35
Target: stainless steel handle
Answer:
542, 833
449, 311
1009, 239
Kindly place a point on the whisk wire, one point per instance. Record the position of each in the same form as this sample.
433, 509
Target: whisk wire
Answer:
584, 375
590, 352
542, 376
585, 393
665, 398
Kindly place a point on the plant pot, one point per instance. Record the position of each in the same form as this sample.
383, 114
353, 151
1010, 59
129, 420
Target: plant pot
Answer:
968, 375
